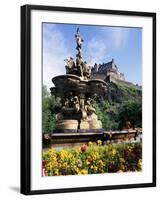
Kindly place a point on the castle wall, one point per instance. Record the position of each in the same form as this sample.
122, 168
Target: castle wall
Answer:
98, 76
113, 74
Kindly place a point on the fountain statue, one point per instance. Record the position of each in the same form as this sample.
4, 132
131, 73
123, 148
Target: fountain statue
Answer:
77, 92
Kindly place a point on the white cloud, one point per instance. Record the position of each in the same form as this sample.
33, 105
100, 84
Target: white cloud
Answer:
96, 50
99, 47
116, 36
54, 53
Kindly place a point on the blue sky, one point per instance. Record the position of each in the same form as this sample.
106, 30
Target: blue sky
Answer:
101, 44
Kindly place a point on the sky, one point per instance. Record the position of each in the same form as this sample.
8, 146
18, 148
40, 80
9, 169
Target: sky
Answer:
101, 44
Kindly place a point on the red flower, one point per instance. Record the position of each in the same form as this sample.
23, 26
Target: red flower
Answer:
44, 171
126, 154
83, 147
44, 163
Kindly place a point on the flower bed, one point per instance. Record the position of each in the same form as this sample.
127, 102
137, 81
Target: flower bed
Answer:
93, 159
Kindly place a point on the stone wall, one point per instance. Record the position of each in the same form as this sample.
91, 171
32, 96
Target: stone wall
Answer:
98, 76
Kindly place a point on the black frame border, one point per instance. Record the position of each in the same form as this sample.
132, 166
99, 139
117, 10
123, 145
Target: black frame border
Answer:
25, 146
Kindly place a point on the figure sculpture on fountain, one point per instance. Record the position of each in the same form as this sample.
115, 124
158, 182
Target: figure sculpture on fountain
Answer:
80, 67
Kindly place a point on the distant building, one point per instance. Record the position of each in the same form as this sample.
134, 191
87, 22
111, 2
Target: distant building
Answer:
107, 71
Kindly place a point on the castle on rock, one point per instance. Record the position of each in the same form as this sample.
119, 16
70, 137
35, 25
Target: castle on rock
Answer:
107, 71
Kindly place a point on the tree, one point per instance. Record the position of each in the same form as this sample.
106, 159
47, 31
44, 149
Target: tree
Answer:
130, 111
49, 105
106, 112
113, 116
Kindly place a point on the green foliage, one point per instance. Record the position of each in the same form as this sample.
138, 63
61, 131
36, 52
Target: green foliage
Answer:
130, 111
113, 116
106, 112
123, 92
49, 103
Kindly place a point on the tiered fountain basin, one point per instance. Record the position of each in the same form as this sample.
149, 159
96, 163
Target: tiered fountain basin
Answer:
70, 82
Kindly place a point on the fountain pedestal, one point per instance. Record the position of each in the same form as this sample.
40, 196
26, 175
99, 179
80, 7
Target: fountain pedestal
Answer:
84, 125
95, 124
67, 125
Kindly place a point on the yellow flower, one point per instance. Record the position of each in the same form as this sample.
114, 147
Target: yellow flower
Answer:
54, 159
94, 157
70, 156
114, 152
99, 142
83, 171
95, 168
79, 163
140, 164
109, 147
122, 160
63, 154
90, 144
122, 167
77, 150
108, 142
56, 172
49, 166
87, 162
100, 163
52, 151
77, 170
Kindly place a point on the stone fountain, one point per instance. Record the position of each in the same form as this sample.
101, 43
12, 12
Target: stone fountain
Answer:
77, 121
77, 92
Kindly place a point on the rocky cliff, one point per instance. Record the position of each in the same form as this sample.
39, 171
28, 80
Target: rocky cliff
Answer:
120, 92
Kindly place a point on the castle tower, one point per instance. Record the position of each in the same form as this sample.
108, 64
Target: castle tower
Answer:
113, 65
